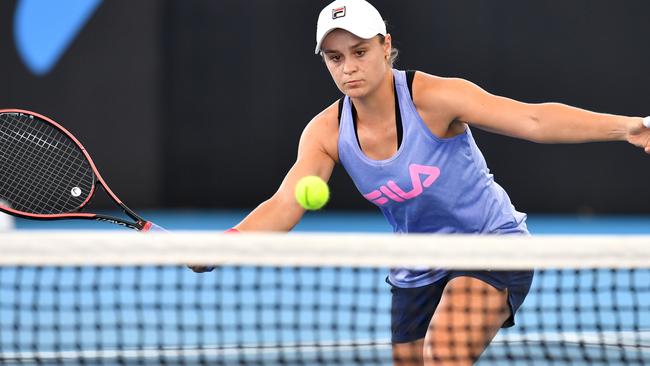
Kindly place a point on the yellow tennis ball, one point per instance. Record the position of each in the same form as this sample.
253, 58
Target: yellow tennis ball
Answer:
312, 193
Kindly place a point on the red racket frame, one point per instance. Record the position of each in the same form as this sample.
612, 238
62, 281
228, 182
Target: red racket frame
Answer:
138, 224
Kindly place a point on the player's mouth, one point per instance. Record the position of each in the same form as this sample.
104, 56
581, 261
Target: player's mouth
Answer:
353, 83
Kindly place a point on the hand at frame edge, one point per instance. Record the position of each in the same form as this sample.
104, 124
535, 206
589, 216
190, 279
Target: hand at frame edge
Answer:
203, 269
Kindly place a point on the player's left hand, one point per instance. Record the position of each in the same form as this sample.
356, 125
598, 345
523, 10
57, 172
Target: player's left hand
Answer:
639, 135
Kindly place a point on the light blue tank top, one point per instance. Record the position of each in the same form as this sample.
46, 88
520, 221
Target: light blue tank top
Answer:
431, 185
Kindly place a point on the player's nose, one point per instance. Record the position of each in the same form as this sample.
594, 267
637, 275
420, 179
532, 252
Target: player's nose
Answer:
350, 66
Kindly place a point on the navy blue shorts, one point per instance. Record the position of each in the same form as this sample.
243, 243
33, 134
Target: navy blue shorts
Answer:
413, 308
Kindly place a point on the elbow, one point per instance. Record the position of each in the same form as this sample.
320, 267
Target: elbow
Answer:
287, 208
536, 130
284, 202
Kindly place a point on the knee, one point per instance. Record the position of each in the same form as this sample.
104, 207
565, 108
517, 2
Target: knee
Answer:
449, 354
444, 348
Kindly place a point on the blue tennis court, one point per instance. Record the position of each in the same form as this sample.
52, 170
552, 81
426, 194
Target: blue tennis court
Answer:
358, 222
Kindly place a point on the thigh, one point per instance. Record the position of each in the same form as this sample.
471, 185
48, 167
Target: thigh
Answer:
517, 282
469, 314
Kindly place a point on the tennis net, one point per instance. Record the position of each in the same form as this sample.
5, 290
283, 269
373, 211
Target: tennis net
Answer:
87, 298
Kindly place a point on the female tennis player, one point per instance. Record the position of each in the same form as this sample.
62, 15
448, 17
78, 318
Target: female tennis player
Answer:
405, 140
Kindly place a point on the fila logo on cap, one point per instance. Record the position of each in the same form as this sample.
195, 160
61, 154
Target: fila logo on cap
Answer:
338, 13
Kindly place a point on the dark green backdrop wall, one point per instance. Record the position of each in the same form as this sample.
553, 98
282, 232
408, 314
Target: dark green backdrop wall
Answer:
201, 103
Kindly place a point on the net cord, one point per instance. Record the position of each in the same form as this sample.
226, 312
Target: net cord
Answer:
494, 252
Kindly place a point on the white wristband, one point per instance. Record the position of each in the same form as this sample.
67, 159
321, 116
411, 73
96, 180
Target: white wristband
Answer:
646, 122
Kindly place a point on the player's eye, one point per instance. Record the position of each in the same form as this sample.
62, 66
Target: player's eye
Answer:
335, 58
360, 53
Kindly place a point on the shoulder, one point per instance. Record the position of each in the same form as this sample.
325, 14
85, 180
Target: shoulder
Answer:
429, 88
442, 95
323, 131
327, 119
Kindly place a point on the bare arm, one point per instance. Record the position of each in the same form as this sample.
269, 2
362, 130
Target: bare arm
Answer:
281, 212
316, 156
544, 123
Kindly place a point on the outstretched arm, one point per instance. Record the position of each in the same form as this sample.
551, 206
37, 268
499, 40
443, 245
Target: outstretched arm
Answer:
316, 156
281, 212
543, 123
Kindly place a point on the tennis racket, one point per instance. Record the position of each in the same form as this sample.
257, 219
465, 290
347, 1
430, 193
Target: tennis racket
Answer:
46, 174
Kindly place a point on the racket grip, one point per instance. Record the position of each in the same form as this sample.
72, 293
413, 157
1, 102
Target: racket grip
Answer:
151, 227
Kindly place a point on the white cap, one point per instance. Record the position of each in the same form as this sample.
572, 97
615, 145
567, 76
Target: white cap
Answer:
358, 17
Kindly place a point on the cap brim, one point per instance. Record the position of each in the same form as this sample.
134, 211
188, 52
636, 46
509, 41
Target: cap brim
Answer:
361, 33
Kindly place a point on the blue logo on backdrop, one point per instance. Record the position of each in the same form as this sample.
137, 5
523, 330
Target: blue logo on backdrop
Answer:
44, 29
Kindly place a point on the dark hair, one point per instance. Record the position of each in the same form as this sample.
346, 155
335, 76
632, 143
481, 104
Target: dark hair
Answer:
394, 52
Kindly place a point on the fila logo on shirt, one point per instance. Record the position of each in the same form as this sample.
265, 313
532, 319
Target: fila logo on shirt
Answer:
338, 12
391, 191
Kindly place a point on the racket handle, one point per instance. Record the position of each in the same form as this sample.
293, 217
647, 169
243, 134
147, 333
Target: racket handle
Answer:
151, 227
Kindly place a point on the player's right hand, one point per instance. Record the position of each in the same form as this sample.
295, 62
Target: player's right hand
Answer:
201, 269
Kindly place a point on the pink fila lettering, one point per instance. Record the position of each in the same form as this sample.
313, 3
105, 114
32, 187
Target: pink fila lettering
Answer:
391, 191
